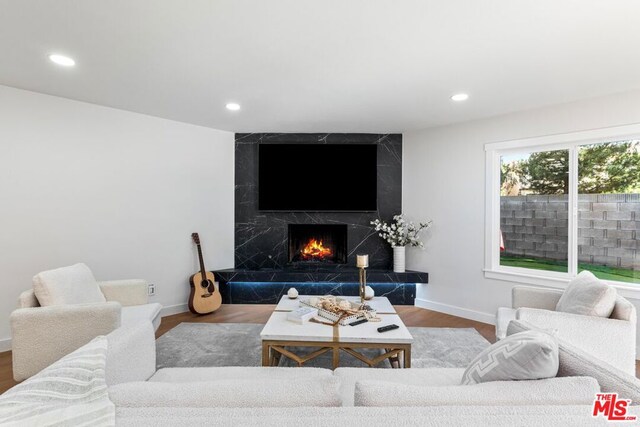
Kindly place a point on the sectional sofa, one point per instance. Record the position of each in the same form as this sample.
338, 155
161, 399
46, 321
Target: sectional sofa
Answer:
138, 395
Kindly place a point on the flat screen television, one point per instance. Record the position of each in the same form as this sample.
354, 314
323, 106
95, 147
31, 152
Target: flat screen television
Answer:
317, 177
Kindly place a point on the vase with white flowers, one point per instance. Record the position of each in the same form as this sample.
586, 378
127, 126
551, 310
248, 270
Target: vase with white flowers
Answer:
400, 234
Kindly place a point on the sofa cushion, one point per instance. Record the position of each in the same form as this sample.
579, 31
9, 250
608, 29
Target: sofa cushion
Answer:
575, 362
428, 416
72, 391
528, 355
414, 376
552, 391
256, 393
136, 314
67, 285
588, 295
180, 375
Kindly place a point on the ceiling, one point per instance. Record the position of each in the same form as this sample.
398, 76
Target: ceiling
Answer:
322, 66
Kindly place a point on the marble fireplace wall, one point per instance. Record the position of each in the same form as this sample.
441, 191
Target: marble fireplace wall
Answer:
261, 237
271, 292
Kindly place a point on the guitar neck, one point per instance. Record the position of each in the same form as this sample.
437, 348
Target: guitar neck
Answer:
203, 272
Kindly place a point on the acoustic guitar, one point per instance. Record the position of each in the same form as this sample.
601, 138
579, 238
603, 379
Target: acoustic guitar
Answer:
205, 296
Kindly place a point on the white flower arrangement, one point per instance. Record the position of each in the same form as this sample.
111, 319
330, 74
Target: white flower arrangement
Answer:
401, 232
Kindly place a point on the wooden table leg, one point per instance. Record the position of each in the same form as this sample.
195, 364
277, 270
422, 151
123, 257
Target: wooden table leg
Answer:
407, 356
276, 358
336, 357
265, 354
393, 360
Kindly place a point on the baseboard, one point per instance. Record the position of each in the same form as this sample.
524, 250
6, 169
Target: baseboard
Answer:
174, 309
478, 316
5, 344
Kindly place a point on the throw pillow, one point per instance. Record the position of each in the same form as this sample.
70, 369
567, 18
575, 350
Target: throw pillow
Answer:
550, 391
528, 355
72, 391
589, 296
67, 285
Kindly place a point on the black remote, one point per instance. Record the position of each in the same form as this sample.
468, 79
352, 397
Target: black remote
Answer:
358, 322
387, 328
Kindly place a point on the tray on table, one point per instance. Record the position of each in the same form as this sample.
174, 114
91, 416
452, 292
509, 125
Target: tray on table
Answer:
334, 317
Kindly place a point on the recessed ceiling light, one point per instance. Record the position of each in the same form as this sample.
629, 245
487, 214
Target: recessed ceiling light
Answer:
233, 106
460, 97
65, 61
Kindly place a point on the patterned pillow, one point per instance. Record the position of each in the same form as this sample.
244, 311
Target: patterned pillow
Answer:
527, 355
70, 392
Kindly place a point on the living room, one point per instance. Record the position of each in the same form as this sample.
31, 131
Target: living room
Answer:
507, 132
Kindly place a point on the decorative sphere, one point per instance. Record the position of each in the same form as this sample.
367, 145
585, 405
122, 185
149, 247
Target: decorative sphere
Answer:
368, 293
314, 302
292, 293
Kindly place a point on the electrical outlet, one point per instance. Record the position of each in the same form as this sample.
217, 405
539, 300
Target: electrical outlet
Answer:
151, 290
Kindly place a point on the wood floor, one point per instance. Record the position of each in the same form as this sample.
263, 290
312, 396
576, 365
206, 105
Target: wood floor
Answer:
254, 313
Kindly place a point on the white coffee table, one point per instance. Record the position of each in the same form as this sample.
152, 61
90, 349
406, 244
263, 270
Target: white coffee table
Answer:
279, 333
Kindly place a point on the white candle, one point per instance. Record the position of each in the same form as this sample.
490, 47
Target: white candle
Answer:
362, 261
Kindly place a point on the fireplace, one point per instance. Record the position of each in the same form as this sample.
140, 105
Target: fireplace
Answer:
318, 243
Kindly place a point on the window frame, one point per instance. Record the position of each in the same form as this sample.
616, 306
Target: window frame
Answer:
566, 141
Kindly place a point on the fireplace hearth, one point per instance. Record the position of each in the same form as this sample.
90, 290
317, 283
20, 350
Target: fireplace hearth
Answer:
318, 243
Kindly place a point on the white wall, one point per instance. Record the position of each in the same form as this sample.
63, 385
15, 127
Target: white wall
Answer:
444, 180
119, 191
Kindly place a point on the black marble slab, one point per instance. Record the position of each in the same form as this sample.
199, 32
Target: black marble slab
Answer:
261, 236
266, 286
326, 275
271, 292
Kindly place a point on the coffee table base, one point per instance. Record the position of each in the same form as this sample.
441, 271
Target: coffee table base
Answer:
272, 351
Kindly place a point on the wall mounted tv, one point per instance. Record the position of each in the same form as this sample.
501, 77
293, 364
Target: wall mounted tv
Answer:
317, 177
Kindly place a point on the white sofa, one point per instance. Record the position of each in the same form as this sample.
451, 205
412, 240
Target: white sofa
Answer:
174, 396
267, 396
42, 335
612, 339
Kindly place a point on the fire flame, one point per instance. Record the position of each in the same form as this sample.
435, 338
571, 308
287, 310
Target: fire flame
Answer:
314, 250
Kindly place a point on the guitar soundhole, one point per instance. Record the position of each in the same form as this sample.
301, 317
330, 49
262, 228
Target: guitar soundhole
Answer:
206, 283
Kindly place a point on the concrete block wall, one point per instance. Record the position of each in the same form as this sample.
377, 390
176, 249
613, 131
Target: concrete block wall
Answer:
608, 228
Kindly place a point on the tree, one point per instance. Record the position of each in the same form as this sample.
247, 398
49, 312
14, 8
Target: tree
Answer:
603, 168
609, 168
547, 172
511, 176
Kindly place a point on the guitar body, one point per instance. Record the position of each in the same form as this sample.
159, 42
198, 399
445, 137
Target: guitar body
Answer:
205, 296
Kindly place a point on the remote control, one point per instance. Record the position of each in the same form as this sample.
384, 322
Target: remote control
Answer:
358, 322
387, 328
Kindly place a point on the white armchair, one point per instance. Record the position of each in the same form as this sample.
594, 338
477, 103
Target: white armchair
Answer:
612, 339
42, 335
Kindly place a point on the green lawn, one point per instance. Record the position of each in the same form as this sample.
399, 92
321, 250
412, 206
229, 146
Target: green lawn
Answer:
600, 271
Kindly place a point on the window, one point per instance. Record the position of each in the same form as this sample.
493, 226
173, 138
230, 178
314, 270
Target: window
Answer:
563, 204
534, 203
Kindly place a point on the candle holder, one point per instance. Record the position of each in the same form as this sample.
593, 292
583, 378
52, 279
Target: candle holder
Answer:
362, 262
